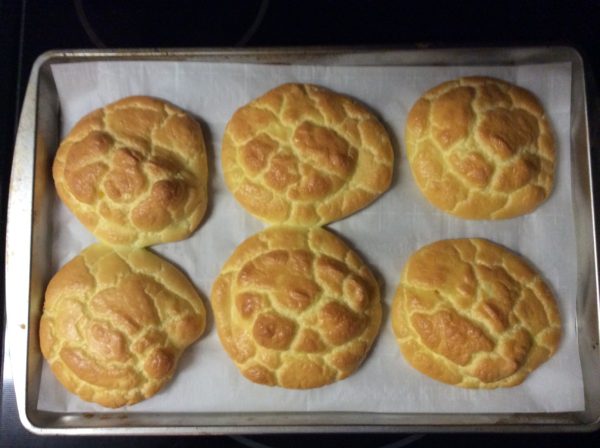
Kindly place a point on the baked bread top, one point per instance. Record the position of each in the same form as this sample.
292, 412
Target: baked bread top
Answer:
115, 323
304, 155
481, 148
296, 308
471, 313
134, 172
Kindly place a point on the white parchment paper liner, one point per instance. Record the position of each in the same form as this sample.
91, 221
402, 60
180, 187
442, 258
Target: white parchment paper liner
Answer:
385, 234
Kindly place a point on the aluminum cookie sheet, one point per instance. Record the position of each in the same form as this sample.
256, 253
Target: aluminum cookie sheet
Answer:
384, 234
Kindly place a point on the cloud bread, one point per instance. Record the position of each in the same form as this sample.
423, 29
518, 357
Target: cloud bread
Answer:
470, 313
481, 148
296, 308
115, 323
134, 172
304, 155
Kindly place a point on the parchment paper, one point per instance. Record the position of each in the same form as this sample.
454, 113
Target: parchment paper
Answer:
385, 234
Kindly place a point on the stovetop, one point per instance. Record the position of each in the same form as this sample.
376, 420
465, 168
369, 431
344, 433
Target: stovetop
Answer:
30, 27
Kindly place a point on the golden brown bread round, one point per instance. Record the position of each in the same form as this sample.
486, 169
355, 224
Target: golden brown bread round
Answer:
481, 148
134, 172
296, 308
304, 155
470, 313
115, 323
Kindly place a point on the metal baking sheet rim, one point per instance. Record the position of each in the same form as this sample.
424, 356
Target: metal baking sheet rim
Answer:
25, 276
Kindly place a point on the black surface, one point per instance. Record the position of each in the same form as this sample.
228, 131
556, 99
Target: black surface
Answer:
9, 40
29, 28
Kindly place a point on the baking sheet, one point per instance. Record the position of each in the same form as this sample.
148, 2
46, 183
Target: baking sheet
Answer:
385, 234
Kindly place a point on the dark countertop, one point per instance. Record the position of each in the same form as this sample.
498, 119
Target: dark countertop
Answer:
28, 28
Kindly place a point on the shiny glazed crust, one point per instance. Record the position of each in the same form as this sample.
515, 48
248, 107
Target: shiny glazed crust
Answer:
480, 148
470, 313
134, 172
115, 323
296, 308
304, 155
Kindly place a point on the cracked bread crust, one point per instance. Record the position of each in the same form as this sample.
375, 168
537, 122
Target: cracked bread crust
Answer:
304, 155
134, 172
115, 323
470, 313
296, 308
481, 148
